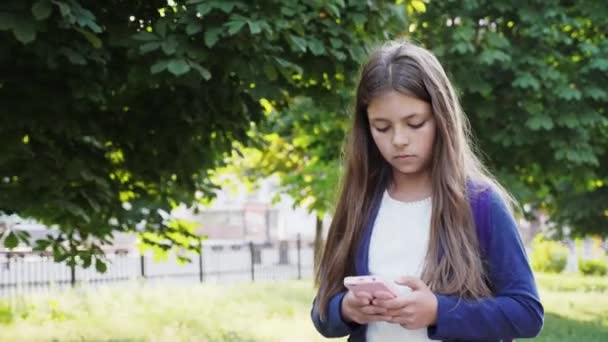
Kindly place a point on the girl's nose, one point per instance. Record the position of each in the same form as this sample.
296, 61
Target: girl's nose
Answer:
400, 138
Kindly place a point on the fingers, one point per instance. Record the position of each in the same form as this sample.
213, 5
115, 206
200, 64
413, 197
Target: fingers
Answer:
383, 295
394, 303
399, 312
371, 310
364, 295
411, 282
357, 299
361, 310
372, 314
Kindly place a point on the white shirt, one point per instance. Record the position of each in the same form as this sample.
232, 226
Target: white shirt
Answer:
398, 245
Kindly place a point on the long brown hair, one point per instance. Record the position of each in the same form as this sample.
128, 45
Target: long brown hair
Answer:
458, 270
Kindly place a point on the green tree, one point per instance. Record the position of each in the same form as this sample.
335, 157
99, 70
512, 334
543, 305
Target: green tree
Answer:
530, 76
112, 112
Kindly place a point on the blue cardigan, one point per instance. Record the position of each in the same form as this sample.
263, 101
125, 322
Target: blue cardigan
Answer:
515, 310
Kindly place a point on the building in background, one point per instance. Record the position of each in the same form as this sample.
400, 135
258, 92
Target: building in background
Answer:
239, 214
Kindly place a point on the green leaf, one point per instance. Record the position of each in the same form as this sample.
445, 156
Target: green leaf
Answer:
178, 67
488, 57
497, 41
205, 73
526, 80
465, 32
41, 245
91, 37
288, 11
94, 27
212, 36
333, 10
599, 64
568, 93
419, 6
60, 257
86, 259
161, 27
359, 19
234, 26
299, 43
356, 52
25, 31
335, 43
569, 120
316, 47
159, 66
537, 122
76, 211
194, 28
63, 8
42, 9
254, 27
226, 6
73, 56
270, 72
24, 236
596, 93
11, 241
169, 46
149, 46
203, 9
100, 266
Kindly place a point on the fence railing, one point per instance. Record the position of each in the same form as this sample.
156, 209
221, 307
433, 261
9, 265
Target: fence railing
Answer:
23, 272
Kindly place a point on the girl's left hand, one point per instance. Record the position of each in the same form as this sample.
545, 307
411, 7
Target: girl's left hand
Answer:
415, 310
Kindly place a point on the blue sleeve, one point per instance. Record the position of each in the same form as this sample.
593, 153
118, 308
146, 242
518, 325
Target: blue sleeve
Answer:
333, 325
515, 310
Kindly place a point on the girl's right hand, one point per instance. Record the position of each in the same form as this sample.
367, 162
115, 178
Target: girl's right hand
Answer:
358, 308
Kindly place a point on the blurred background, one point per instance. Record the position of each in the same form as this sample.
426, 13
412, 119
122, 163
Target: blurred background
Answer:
168, 168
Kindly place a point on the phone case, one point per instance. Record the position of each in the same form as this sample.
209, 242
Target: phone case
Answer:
369, 284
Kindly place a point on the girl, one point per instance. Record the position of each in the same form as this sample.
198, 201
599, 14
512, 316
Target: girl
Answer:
418, 208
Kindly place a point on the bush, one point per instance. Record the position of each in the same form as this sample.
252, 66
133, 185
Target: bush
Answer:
6, 314
548, 256
593, 266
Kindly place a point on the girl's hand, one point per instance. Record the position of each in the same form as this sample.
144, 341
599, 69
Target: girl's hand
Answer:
357, 307
415, 310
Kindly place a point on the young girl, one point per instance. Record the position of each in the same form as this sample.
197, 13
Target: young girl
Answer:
418, 208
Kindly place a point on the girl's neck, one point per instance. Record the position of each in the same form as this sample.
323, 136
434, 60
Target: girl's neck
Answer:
410, 187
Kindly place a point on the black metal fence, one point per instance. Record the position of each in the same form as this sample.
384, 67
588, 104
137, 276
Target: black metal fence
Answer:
23, 272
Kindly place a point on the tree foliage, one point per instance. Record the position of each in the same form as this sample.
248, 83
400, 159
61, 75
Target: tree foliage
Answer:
112, 112
531, 76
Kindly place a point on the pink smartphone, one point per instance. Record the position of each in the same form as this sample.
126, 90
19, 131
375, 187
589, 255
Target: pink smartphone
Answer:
369, 284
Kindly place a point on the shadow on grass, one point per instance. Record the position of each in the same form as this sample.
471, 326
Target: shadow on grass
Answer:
558, 328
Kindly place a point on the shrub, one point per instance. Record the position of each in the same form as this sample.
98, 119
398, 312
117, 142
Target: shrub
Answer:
593, 266
548, 256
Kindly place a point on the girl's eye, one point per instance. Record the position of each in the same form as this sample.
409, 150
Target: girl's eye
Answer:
384, 129
417, 126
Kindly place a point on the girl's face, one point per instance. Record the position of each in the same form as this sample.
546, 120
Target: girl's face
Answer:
403, 128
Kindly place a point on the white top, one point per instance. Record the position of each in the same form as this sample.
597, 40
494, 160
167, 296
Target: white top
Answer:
398, 245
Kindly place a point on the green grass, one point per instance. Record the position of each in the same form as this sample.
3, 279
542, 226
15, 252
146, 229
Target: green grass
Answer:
572, 283
576, 310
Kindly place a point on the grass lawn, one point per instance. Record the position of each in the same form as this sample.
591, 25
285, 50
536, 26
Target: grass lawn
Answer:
576, 310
